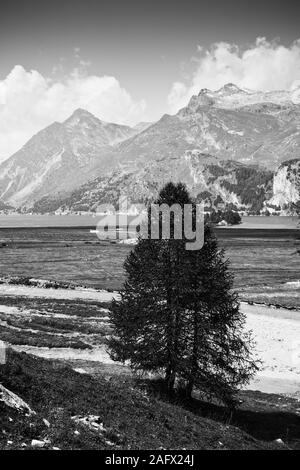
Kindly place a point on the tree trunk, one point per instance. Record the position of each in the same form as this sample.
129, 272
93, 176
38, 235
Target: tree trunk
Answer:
170, 379
194, 359
189, 388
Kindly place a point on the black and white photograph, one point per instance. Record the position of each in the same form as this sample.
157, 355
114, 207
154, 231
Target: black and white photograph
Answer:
149, 228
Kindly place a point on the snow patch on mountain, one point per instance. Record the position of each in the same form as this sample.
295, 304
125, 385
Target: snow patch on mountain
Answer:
231, 97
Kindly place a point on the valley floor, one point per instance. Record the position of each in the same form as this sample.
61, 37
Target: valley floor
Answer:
70, 327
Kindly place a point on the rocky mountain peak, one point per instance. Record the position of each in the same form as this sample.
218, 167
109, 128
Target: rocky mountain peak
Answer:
230, 88
61, 157
217, 98
204, 91
79, 116
203, 99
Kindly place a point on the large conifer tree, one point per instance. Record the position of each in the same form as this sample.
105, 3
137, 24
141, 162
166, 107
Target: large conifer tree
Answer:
178, 314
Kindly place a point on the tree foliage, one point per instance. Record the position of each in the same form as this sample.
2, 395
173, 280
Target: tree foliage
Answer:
178, 315
232, 217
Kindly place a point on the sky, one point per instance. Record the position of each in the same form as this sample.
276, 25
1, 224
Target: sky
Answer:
131, 61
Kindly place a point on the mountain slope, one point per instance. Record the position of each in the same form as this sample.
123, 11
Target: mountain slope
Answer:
60, 158
124, 414
215, 181
243, 134
257, 129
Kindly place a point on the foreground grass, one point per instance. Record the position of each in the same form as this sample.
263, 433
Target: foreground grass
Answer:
54, 323
46, 340
58, 325
78, 308
131, 417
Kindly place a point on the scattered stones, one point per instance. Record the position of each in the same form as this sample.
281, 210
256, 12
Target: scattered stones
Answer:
38, 444
279, 441
91, 421
80, 370
109, 443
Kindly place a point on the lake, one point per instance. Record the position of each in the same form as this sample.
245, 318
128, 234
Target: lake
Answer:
265, 261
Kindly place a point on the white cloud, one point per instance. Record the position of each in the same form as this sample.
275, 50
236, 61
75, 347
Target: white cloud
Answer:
29, 102
262, 66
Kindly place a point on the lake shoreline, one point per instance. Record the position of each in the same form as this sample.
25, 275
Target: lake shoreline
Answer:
90, 222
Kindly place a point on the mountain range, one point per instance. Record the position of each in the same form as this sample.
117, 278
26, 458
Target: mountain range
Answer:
232, 146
